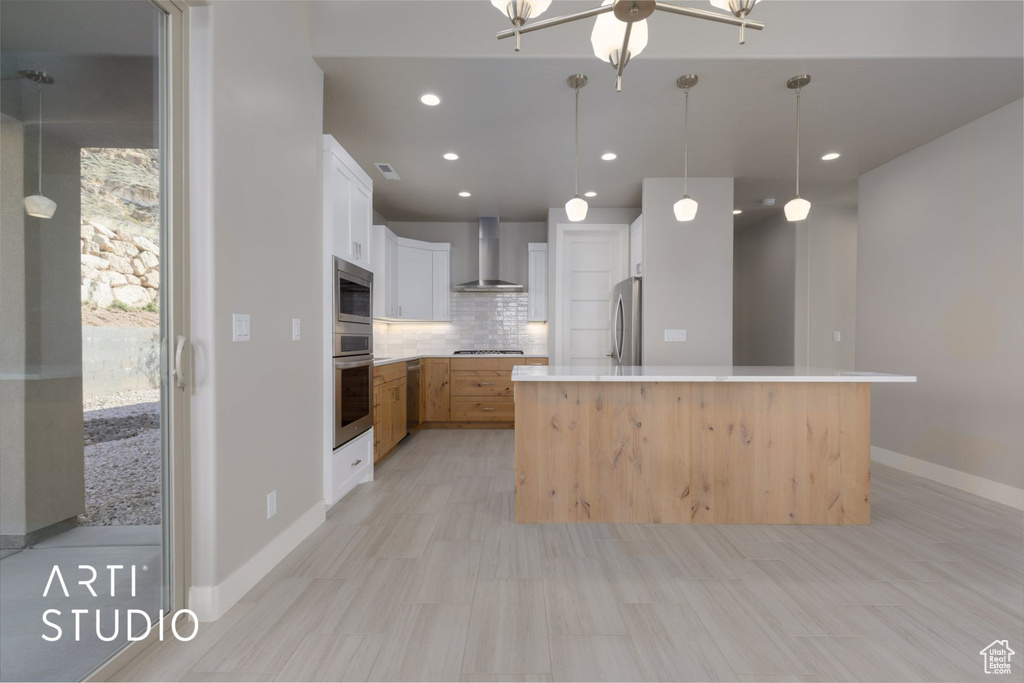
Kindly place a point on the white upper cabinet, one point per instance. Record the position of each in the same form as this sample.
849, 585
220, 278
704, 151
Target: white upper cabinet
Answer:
348, 205
411, 278
537, 284
442, 284
636, 247
415, 270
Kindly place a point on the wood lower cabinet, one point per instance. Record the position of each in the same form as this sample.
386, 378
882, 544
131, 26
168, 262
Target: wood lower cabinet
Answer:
482, 391
389, 408
435, 390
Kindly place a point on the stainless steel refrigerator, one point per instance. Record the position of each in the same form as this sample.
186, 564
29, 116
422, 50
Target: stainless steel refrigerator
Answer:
627, 340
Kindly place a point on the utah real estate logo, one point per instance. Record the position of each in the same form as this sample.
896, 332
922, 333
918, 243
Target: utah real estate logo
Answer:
997, 657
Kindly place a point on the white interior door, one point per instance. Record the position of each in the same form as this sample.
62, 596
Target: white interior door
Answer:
591, 261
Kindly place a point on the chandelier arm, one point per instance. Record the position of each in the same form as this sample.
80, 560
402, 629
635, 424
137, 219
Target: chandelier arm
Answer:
555, 21
710, 16
623, 56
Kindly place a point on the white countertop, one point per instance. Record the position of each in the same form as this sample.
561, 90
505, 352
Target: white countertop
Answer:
696, 373
402, 359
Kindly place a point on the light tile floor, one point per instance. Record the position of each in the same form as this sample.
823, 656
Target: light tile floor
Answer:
422, 575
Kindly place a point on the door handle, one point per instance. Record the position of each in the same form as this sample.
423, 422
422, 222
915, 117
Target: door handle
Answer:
485, 408
485, 384
179, 372
357, 462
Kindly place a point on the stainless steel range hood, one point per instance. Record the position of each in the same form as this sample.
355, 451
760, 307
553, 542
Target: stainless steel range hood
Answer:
489, 251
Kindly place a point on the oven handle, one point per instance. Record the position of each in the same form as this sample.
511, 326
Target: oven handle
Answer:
345, 365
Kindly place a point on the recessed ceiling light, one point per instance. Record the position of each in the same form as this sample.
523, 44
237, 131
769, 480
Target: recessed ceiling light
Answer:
609, 156
737, 212
830, 156
465, 194
590, 194
451, 156
430, 99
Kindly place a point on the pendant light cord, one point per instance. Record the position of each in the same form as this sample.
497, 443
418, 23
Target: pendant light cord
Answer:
576, 170
39, 87
798, 142
686, 145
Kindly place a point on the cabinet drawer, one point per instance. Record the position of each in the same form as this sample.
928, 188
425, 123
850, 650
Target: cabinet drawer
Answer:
388, 373
481, 383
483, 410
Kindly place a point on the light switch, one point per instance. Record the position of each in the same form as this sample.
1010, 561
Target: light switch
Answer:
296, 329
836, 336
240, 327
675, 335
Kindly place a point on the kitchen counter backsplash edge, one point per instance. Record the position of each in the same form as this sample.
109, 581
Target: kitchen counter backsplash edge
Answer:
404, 359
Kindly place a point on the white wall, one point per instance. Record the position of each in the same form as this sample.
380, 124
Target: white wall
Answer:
764, 292
688, 272
826, 288
257, 110
940, 294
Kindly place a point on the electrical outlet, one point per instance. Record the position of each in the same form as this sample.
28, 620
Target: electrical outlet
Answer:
271, 503
836, 336
296, 329
675, 335
240, 327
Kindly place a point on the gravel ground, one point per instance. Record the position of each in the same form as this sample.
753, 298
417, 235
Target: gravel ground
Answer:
122, 459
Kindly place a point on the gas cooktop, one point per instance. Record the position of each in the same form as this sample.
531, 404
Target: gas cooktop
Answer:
483, 352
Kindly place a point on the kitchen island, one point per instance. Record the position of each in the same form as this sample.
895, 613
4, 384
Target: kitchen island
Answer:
703, 444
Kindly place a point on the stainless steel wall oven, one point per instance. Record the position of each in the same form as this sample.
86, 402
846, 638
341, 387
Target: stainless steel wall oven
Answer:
352, 351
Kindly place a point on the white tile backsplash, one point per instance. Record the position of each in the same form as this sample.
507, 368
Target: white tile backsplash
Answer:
480, 320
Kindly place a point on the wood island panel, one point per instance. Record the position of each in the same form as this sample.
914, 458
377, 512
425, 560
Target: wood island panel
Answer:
693, 452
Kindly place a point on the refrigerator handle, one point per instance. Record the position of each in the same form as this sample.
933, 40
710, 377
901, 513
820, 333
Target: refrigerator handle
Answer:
617, 331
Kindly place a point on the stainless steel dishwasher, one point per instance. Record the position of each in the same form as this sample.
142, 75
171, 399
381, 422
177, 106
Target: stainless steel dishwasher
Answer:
412, 395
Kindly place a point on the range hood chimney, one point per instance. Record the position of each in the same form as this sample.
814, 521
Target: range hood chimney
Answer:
489, 251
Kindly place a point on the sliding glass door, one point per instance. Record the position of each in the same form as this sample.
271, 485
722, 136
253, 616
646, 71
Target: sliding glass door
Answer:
93, 390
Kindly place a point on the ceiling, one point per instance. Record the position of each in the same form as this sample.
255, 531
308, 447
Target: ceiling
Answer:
510, 117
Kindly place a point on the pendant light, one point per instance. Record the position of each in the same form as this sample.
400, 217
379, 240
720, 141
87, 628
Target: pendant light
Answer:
518, 11
39, 205
576, 208
686, 208
798, 207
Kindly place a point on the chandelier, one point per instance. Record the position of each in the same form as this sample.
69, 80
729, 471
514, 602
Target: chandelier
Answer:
620, 29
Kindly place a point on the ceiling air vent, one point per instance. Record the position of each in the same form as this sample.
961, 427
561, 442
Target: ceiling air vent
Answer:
387, 170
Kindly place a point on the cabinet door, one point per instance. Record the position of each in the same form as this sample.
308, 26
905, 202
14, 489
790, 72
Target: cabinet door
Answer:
378, 424
636, 247
360, 222
442, 282
391, 287
341, 209
537, 296
415, 290
435, 385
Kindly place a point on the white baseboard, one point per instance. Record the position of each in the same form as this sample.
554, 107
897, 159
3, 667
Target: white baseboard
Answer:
211, 602
979, 486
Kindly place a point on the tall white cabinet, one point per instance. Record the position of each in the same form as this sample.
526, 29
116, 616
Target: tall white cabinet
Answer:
412, 278
537, 281
347, 194
348, 205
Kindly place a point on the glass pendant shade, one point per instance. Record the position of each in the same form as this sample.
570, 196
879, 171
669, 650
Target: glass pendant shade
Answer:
685, 209
608, 33
39, 206
576, 209
797, 209
537, 7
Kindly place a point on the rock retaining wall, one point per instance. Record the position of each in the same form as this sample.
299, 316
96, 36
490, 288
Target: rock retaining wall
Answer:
118, 267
